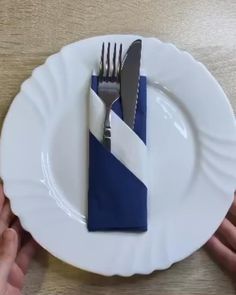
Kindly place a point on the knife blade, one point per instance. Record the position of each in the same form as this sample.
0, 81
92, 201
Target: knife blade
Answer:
129, 80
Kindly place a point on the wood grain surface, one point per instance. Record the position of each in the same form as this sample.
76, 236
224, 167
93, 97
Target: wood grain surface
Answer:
31, 30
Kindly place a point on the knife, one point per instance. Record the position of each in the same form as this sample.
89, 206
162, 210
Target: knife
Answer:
129, 80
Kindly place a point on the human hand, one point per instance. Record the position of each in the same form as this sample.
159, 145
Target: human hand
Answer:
16, 250
222, 246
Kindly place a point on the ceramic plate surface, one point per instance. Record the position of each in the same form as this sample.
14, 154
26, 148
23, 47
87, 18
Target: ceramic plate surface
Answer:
191, 143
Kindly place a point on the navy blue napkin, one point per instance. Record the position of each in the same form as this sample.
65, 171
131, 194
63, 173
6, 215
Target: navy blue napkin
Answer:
117, 199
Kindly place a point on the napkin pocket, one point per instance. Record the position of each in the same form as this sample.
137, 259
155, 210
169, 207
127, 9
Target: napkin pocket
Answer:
117, 195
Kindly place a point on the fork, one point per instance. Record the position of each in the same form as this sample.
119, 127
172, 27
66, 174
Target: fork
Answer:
109, 86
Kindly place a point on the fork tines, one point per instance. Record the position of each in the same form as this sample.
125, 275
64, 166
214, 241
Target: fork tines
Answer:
110, 71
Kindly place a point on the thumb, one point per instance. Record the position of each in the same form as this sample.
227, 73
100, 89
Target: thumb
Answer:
8, 250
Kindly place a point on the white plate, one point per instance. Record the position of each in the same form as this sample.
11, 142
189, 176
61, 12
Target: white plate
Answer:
191, 141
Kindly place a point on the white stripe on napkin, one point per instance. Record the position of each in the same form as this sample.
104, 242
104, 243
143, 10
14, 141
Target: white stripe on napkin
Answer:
126, 146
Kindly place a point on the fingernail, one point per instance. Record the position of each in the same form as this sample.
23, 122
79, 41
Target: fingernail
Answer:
9, 235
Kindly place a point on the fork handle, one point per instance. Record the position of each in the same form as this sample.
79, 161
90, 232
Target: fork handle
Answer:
107, 129
107, 139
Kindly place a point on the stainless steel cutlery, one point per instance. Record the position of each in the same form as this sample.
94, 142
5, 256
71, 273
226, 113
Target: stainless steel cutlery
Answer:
109, 86
130, 82
119, 78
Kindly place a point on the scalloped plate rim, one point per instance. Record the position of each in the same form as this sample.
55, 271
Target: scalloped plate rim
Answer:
150, 269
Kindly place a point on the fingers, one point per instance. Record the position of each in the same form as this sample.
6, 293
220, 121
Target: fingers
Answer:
227, 232
233, 206
19, 230
225, 256
16, 277
232, 212
6, 214
12, 290
6, 217
8, 249
26, 254
2, 197
17, 227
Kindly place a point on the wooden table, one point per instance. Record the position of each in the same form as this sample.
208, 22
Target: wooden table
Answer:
31, 30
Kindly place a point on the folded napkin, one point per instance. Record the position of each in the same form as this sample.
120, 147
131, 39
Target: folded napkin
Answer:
117, 196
